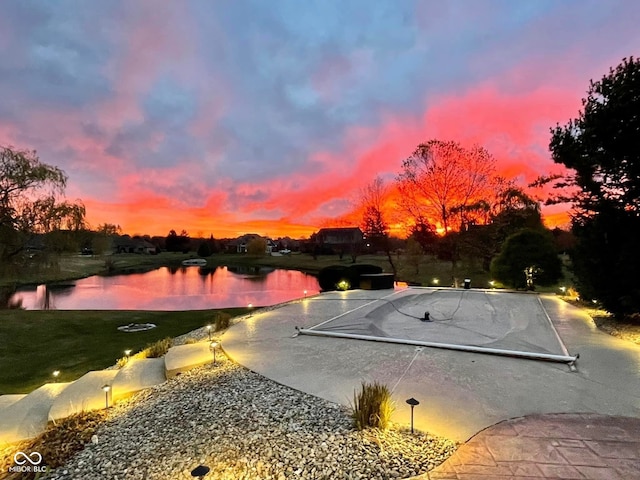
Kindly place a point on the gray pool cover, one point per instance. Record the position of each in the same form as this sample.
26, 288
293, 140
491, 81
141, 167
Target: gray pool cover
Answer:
475, 318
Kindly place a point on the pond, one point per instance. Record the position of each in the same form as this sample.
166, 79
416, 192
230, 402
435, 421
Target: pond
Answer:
184, 288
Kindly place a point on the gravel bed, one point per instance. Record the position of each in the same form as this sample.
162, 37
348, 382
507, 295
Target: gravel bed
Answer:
244, 426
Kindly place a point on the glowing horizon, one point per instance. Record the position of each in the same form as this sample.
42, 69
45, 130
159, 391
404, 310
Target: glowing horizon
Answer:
198, 116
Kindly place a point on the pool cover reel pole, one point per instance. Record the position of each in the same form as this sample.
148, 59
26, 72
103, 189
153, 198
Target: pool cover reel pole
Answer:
464, 348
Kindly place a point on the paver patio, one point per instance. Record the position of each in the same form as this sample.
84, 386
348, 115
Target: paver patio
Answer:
551, 446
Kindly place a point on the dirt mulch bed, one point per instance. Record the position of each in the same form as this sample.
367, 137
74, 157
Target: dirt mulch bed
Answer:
626, 330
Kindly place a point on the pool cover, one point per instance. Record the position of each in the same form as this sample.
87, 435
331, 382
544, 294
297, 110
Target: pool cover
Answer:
447, 317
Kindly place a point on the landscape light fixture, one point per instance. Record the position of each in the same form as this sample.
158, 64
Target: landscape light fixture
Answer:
305, 294
563, 289
212, 347
209, 331
412, 402
105, 388
435, 281
492, 283
55, 375
127, 353
200, 471
250, 306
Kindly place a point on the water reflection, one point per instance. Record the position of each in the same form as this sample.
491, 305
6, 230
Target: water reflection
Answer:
8, 298
193, 288
251, 272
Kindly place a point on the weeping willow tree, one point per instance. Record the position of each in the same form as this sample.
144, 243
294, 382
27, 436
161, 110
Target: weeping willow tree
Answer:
33, 211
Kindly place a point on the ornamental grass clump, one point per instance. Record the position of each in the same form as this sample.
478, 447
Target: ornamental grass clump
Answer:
158, 349
222, 321
372, 406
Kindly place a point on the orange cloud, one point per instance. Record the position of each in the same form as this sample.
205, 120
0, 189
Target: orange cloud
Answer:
513, 127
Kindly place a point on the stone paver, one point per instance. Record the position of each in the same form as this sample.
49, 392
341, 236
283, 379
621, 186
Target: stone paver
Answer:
550, 446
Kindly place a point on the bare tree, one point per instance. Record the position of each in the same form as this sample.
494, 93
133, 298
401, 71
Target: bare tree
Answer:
374, 224
372, 199
446, 183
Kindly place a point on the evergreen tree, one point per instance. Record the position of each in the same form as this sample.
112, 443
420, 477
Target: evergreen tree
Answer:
602, 149
527, 255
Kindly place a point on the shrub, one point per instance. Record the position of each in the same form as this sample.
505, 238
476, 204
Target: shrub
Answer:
222, 321
109, 265
524, 249
204, 250
330, 276
157, 349
257, 246
372, 406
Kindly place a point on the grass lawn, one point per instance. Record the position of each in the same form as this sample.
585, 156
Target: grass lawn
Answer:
35, 343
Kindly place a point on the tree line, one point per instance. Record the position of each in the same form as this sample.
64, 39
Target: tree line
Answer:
455, 206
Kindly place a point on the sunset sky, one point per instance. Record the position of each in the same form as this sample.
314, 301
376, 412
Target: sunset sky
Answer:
227, 117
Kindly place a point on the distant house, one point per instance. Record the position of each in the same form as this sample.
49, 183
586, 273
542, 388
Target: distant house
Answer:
240, 244
126, 244
339, 237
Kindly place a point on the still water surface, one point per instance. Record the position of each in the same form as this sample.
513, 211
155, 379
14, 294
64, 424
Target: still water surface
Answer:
186, 288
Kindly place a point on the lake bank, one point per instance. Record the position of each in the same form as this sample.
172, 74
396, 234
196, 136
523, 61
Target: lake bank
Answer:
425, 270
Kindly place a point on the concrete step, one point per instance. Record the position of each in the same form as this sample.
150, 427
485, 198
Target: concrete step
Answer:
6, 400
84, 394
28, 416
137, 375
182, 358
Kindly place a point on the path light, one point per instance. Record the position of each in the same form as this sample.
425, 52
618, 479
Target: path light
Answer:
212, 347
127, 353
250, 306
105, 388
563, 289
305, 294
492, 283
413, 402
209, 331
55, 374
200, 471
435, 281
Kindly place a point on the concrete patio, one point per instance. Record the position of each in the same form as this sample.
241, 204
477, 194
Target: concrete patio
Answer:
462, 393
